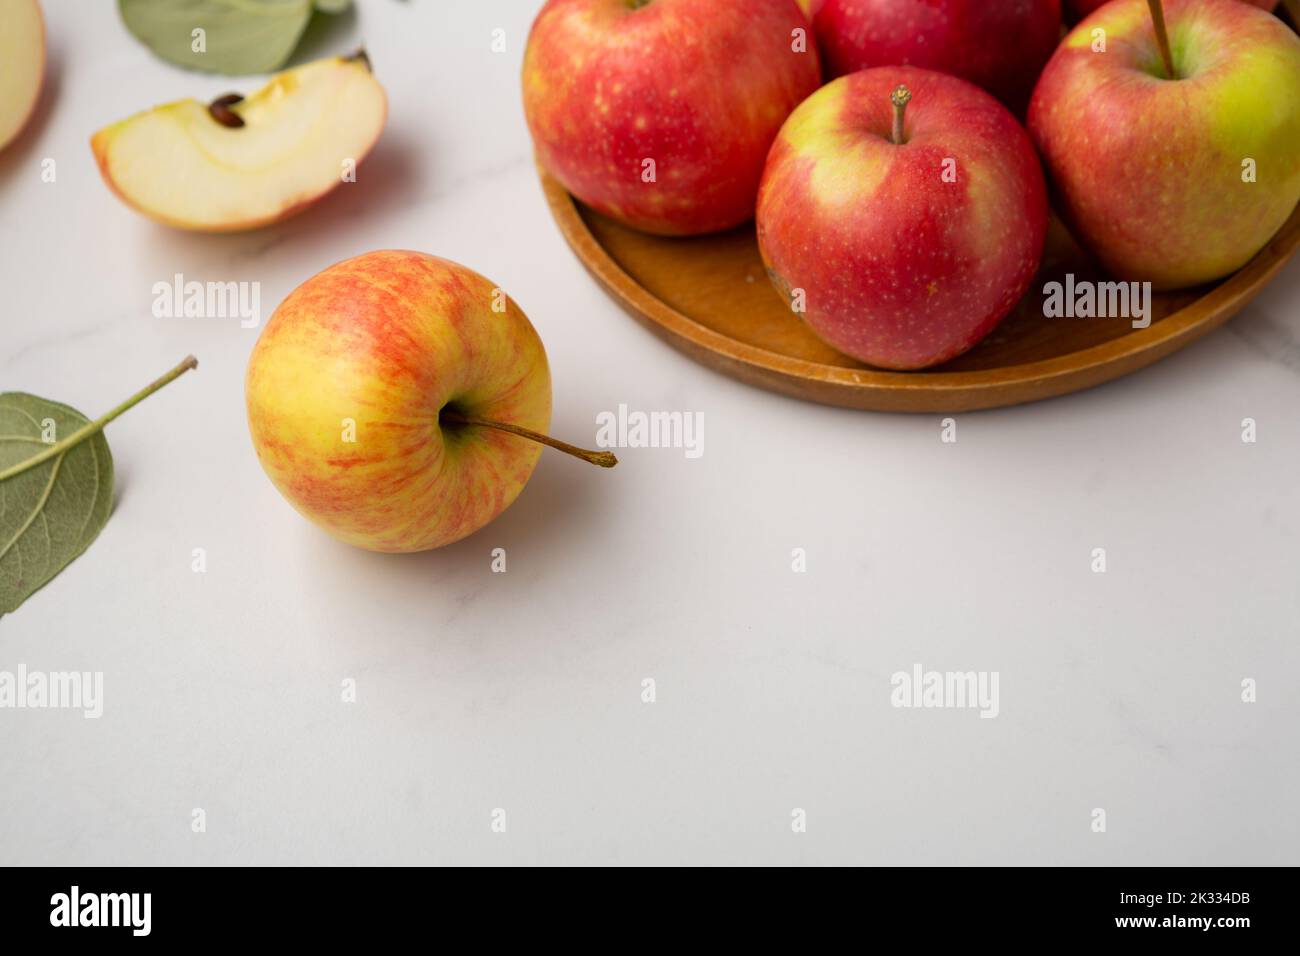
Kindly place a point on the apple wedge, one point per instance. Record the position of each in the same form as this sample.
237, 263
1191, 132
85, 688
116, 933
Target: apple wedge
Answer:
242, 163
22, 64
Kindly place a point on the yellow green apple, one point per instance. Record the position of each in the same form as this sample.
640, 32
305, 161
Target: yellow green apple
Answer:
397, 400
1078, 9
239, 163
1173, 179
22, 64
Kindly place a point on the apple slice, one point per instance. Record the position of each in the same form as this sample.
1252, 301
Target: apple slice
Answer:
242, 163
22, 64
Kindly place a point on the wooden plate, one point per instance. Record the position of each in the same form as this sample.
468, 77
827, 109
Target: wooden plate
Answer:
711, 298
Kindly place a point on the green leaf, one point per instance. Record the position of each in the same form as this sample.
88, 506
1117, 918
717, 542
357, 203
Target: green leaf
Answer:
50, 513
239, 36
56, 485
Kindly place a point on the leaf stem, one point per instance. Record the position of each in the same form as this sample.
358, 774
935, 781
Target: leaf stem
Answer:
93, 428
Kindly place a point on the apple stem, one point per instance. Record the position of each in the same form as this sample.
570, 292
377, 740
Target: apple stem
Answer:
1162, 36
900, 98
362, 56
604, 459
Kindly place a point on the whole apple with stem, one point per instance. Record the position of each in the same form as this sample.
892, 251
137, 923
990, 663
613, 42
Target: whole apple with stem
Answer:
22, 64
903, 233
660, 113
999, 45
400, 401
1174, 149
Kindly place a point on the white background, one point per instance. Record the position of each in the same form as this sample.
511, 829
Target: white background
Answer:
523, 690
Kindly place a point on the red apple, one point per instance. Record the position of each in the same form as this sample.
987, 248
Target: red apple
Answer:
1078, 9
1000, 45
660, 113
903, 254
1173, 181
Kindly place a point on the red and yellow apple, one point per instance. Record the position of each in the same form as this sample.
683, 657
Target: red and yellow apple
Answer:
239, 163
902, 251
1078, 9
22, 64
1000, 45
660, 113
361, 388
1173, 181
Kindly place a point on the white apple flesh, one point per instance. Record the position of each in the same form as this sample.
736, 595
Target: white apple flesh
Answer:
286, 146
22, 64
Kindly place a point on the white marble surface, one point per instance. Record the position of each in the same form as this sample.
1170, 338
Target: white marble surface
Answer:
522, 690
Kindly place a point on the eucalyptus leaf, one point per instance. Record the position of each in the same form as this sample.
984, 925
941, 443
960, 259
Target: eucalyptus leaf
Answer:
51, 513
239, 36
56, 486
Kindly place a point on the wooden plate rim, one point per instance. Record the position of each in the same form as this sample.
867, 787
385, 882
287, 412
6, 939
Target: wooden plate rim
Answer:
1127, 353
